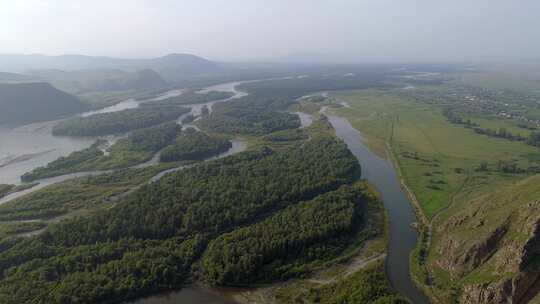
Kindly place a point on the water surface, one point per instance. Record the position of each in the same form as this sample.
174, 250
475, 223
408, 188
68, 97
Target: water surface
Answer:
380, 172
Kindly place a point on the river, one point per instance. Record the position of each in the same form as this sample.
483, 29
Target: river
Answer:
381, 173
41, 147
25, 148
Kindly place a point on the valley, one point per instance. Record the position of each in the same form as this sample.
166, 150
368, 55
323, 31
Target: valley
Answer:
242, 135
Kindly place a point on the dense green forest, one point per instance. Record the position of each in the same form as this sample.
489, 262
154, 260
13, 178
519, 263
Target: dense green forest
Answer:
149, 240
9, 229
190, 98
5, 189
194, 145
118, 122
293, 88
138, 147
279, 246
67, 164
84, 192
287, 135
250, 115
9, 189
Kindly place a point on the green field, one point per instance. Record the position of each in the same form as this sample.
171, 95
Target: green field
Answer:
435, 157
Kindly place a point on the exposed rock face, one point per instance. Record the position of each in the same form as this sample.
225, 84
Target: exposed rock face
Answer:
513, 258
520, 289
461, 257
490, 247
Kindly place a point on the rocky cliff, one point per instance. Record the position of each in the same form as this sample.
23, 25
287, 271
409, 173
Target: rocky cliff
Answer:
490, 247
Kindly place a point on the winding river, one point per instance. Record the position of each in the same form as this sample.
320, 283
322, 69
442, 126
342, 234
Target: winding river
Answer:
40, 147
24, 148
381, 173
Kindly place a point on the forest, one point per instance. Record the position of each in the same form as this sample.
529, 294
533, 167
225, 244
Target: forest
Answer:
250, 115
296, 87
191, 97
137, 147
5, 189
149, 240
67, 164
74, 194
286, 135
193, 145
118, 122
279, 246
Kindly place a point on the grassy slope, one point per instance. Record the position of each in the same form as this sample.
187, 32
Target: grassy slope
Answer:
412, 127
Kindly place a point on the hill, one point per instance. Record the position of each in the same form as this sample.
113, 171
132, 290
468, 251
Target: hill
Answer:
172, 65
102, 80
14, 78
33, 102
489, 243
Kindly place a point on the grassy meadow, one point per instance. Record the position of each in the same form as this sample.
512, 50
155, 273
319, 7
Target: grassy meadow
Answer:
436, 158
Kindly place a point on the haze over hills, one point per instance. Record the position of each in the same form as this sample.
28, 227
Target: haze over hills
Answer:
169, 66
32, 102
81, 81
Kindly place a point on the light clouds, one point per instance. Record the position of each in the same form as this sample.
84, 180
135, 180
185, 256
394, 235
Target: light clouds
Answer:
347, 30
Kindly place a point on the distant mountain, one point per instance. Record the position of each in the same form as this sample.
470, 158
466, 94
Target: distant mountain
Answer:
172, 64
12, 77
81, 81
143, 79
33, 102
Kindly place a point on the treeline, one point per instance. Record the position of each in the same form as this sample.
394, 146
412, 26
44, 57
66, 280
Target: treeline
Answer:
5, 189
9, 189
507, 167
79, 193
277, 247
149, 240
149, 139
250, 115
65, 164
139, 146
118, 122
367, 286
500, 133
534, 139
287, 135
194, 145
456, 119
190, 98
15, 228
292, 88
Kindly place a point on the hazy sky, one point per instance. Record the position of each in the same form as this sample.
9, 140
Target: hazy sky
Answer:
233, 30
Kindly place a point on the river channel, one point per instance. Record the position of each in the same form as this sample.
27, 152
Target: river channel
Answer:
379, 172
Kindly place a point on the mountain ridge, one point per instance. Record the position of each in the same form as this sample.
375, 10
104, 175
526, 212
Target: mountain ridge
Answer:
33, 102
186, 63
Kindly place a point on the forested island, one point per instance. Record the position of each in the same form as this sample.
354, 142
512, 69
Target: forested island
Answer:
295, 188
191, 97
166, 227
250, 115
118, 122
194, 145
137, 147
